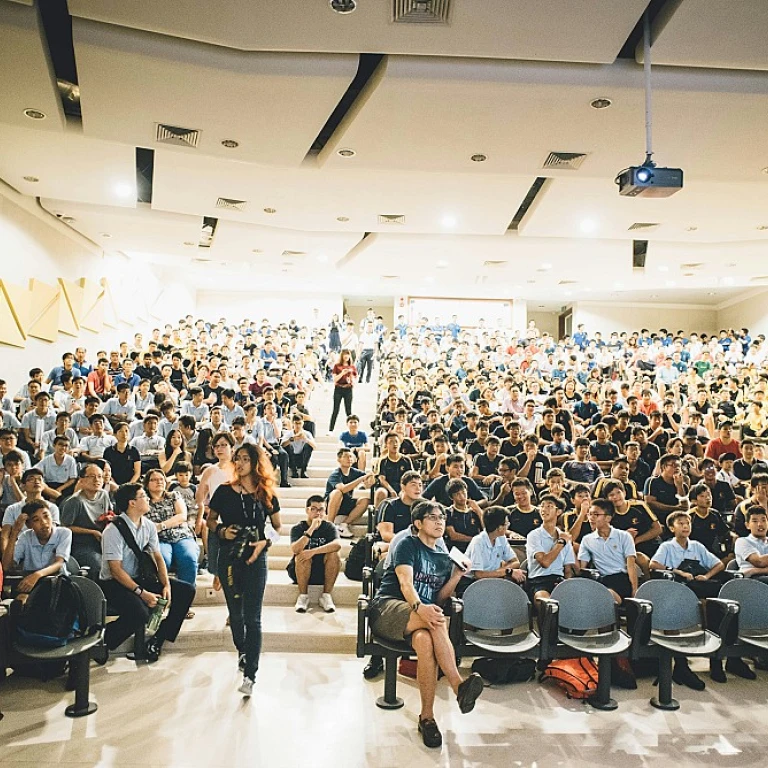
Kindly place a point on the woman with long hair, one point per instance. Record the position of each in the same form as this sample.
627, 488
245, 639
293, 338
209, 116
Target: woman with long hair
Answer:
238, 513
334, 334
344, 376
169, 514
174, 453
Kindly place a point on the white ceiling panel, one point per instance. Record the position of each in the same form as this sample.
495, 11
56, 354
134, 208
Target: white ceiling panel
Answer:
593, 208
555, 30
713, 33
26, 76
68, 166
273, 104
312, 199
432, 114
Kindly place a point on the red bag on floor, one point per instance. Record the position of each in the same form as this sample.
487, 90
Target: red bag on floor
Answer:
577, 677
407, 667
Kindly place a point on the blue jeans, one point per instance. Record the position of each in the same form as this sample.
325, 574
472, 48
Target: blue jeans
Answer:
244, 590
183, 556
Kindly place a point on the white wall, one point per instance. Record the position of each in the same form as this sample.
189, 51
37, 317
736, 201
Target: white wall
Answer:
750, 312
34, 244
607, 317
279, 307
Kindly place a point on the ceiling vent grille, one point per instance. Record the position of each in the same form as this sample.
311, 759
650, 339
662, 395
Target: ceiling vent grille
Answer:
202, 261
692, 265
638, 225
390, 277
293, 254
180, 137
420, 11
568, 282
391, 218
491, 264
565, 161
231, 205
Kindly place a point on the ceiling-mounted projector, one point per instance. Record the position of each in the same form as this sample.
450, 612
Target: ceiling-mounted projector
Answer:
648, 180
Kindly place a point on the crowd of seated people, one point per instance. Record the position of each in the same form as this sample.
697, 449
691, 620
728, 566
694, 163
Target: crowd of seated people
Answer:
616, 454
145, 417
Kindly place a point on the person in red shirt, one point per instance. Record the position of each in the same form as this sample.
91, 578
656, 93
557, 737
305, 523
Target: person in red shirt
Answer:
99, 382
724, 443
344, 376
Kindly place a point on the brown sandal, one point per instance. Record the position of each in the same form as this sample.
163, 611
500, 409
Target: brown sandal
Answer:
190, 615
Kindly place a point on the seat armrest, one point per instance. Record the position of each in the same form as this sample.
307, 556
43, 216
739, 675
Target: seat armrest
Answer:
549, 611
639, 615
363, 603
722, 619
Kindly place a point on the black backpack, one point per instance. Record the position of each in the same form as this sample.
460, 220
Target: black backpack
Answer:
353, 568
54, 614
498, 671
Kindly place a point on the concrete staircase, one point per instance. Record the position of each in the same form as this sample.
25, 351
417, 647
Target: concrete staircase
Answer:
284, 629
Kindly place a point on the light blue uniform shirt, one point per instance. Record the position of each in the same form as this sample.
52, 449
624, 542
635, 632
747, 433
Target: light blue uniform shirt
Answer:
487, 556
607, 555
538, 540
743, 548
30, 555
670, 554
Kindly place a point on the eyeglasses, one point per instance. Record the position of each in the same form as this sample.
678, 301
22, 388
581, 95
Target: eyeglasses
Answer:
437, 518
317, 509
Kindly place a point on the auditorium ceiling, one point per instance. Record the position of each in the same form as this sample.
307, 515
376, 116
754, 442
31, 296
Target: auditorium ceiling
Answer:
257, 143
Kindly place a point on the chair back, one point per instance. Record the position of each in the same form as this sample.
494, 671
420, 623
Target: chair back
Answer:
675, 607
584, 604
94, 600
732, 565
496, 604
752, 597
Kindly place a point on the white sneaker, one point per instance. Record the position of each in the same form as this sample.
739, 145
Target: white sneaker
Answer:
302, 604
344, 531
246, 687
326, 602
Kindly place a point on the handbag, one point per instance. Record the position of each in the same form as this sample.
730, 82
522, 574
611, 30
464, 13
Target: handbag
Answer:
148, 576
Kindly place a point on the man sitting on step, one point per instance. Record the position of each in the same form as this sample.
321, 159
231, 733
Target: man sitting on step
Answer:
315, 546
339, 489
298, 444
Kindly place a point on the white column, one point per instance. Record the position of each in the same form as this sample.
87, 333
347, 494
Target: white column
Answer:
519, 314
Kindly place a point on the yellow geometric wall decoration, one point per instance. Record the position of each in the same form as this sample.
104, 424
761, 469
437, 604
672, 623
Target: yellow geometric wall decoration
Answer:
93, 305
111, 316
44, 312
12, 315
21, 304
70, 307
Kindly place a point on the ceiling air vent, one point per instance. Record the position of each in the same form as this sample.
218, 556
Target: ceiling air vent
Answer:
231, 205
420, 11
692, 265
494, 264
390, 277
568, 282
565, 161
202, 261
180, 137
638, 225
292, 254
391, 218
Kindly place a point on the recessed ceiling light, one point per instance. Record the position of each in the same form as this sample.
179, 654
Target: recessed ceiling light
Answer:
600, 103
257, 250
270, 210
764, 170
760, 228
449, 221
342, 219
479, 158
654, 296
588, 226
106, 234
322, 258
346, 152
34, 114
711, 293
442, 264
31, 179
691, 229
618, 285
124, 189
343, 6
546, 265
728, 281
663, 268
567, 293
68, 219
541, 306
230, 143
670, 284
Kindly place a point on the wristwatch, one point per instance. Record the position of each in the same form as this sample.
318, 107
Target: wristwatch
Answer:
560, 541
137, 590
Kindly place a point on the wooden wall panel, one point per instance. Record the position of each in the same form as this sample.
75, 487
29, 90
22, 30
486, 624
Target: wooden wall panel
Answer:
111, 315
93, 306
12, 315
44, 312
70, 307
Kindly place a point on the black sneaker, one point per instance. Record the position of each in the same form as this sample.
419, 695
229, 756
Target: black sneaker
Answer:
684, 675
304, 474
100, 654
622, 675
739, 668
716, 671
373, 668
761, 662
468, 692
430, 733
152, 650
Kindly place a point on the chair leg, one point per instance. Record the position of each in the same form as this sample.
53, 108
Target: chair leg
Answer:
664, 700
139, 641
82, 676
390, 699
602, 699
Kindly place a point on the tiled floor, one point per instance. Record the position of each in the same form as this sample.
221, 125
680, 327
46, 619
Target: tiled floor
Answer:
315, 710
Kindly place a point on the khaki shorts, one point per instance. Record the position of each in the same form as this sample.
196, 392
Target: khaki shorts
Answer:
389, 618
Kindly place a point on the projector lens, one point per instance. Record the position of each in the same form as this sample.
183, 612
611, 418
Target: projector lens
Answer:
643, 174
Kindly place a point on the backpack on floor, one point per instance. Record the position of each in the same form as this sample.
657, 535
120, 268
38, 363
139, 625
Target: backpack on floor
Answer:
53, 615
577, 677
501, 671
353, 568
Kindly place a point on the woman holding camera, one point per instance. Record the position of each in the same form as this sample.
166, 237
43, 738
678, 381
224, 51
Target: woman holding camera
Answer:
238, 514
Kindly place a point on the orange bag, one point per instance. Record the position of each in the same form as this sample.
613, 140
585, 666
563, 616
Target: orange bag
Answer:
577, 677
